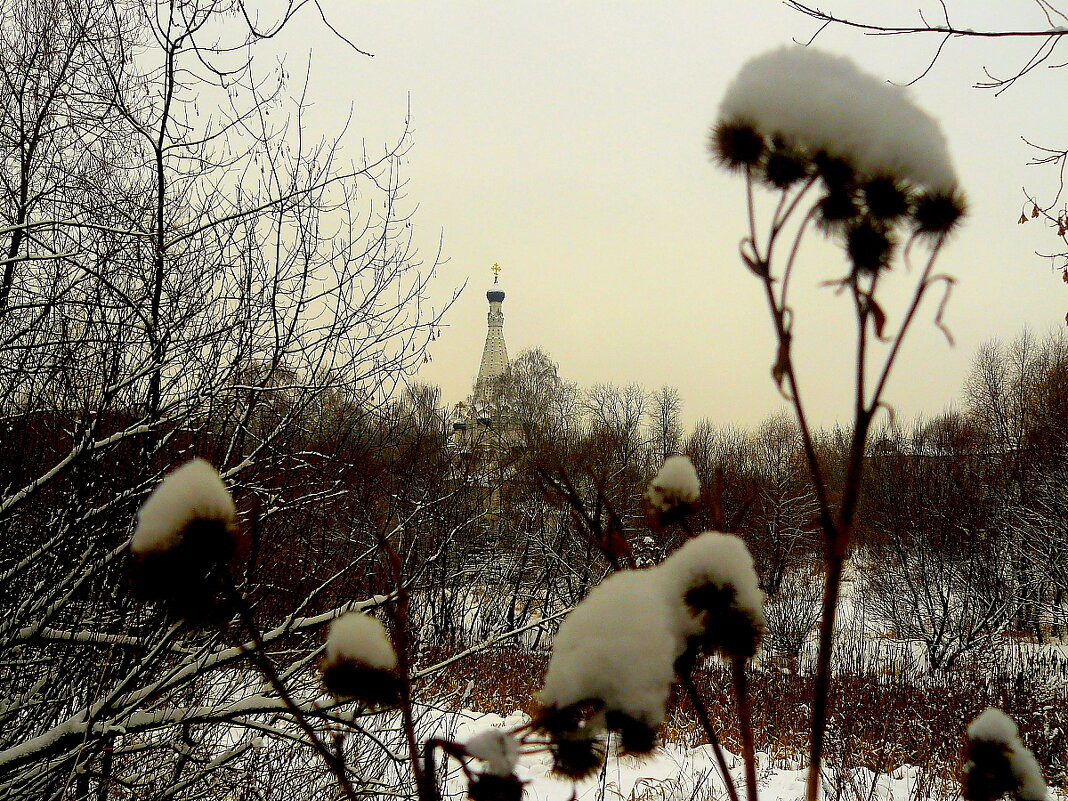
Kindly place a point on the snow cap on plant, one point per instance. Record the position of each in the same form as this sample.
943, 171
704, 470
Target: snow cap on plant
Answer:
673, 492
822, 103
186, 529
999, 762
881, 159
616, 652
497, 749
714, 586
192, 495
360, 660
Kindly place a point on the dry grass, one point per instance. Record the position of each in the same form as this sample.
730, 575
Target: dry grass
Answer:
877, 722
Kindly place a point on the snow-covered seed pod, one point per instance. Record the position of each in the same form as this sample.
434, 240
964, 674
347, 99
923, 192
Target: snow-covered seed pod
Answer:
673, 493
186, 531
360, 661
498, 750
999, 762
614, 652
712, 582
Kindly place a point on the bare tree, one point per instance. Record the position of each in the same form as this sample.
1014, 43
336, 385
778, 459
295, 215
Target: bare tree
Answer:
1016, 395
937, 567
665, 429
186, 273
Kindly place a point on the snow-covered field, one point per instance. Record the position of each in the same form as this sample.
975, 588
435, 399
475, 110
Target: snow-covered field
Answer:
672, 773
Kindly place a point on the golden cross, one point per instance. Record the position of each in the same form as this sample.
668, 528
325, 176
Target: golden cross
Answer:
496, 269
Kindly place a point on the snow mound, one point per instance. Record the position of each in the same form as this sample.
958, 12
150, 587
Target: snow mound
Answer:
823, 102
193, 492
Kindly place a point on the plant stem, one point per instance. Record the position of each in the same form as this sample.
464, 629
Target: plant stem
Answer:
745, 722
821, 688
702, 715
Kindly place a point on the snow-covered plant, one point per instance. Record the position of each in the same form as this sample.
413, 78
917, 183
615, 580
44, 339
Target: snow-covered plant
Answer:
360, 660
998, 761
186, 531
498, 751
616, 651
853, 157
714, 576
796, 118
673, 492
619, 653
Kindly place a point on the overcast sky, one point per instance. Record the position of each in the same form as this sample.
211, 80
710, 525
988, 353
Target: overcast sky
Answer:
566, 141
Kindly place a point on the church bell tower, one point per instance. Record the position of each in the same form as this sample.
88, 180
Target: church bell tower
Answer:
494, 352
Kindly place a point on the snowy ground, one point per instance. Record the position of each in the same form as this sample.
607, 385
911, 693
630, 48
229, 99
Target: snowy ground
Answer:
672, 773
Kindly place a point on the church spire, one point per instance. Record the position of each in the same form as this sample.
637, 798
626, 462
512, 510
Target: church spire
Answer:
495, 352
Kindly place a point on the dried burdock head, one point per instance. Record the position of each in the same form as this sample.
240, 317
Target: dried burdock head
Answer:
688, 659
784, 167
186, 534
488, 787
635, 736
837, 173
736, 145
885, 198
988, 774
577, 758
869, 245
370, 685
360, 661
567, 721
728, 629
836, 209
938, 213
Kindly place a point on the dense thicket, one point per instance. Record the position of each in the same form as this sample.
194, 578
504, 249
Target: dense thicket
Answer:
184, 273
